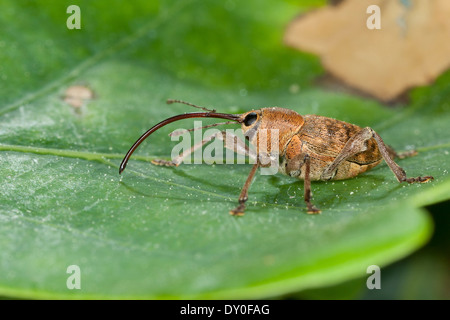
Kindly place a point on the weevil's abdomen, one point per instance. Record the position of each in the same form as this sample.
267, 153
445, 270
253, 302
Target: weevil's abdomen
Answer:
322, 139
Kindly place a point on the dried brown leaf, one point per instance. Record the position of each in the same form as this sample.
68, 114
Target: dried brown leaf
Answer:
411, 49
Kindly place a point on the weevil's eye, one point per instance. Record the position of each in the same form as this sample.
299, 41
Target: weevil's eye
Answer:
250, 119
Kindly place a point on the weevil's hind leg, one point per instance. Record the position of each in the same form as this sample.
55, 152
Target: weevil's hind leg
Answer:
307, 187
405, 154
230, 140
243, 197
401, 155
399, 173
392, 153
356, 144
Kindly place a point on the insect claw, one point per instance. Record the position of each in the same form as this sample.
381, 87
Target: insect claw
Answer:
313, 210
238, 211
427, 178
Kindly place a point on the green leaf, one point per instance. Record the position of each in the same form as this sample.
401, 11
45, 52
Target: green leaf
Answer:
163, 232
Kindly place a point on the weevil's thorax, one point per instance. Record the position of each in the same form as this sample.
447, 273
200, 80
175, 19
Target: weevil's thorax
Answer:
272, 129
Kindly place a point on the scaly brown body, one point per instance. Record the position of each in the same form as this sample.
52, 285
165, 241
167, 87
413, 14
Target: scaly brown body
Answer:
323, 139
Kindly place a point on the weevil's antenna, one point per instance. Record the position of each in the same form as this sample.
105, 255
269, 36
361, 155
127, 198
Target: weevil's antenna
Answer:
170, 101
180, 132
233, 117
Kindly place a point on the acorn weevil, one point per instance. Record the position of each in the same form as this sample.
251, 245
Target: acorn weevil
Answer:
309, 147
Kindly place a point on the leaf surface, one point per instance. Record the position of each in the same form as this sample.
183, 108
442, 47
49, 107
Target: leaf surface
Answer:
164, 232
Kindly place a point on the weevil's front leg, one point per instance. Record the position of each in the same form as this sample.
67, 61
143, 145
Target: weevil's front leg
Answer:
243, 197
357, 144
230, 140
307, 187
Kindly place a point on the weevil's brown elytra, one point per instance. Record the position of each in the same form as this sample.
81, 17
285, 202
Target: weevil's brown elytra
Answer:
310, 147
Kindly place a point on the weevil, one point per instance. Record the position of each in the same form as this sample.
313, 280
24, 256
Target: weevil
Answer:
310, 147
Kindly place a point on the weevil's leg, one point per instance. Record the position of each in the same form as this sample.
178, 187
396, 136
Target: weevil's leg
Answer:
401, 155
233, 142
243, 197
399, 173
392, 153
179, 159
356, 144
307, 187
406, 154
230, 140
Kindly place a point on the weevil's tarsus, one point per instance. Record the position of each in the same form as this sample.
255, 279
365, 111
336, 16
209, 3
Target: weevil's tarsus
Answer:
170, 101
243, 197
165, 163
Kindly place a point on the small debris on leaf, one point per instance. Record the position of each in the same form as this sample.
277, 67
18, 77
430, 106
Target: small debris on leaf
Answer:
78, 95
